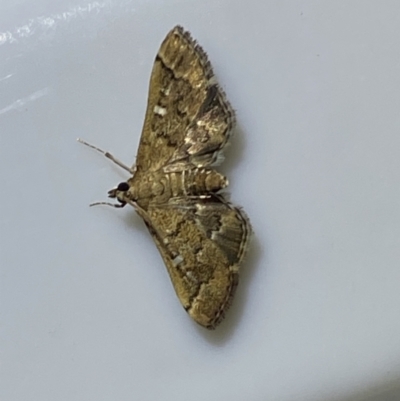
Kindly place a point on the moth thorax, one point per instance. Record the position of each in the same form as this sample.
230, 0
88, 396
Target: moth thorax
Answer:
157, 188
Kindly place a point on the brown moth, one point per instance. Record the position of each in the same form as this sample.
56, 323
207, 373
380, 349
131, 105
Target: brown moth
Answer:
174, 188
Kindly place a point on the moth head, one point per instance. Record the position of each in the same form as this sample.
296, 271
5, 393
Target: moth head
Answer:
119, 192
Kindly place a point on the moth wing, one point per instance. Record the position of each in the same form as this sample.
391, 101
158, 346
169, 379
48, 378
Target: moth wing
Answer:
202, 243
206, 135
188, 120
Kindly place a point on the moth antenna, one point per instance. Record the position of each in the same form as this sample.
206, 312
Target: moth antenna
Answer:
109, 156
107, 204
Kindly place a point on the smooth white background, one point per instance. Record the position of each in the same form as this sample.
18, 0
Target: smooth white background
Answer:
87, 311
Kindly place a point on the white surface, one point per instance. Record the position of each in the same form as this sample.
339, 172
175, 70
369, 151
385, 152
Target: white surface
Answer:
87, 309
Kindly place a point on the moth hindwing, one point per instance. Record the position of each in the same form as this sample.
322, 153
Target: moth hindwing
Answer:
174, 187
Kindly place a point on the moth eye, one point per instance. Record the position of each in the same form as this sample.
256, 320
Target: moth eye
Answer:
123, 186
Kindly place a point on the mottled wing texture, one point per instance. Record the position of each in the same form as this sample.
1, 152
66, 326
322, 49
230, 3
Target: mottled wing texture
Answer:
202, 243
188, 120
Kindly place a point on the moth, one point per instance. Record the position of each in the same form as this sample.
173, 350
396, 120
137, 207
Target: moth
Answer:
174, 187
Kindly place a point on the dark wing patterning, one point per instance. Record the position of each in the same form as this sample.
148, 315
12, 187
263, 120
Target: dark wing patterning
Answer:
188, 120
205, 276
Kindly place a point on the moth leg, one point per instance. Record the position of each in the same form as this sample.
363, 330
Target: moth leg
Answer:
109, 156
117, 205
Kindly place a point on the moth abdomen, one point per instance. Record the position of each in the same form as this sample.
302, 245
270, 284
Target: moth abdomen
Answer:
196, 182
